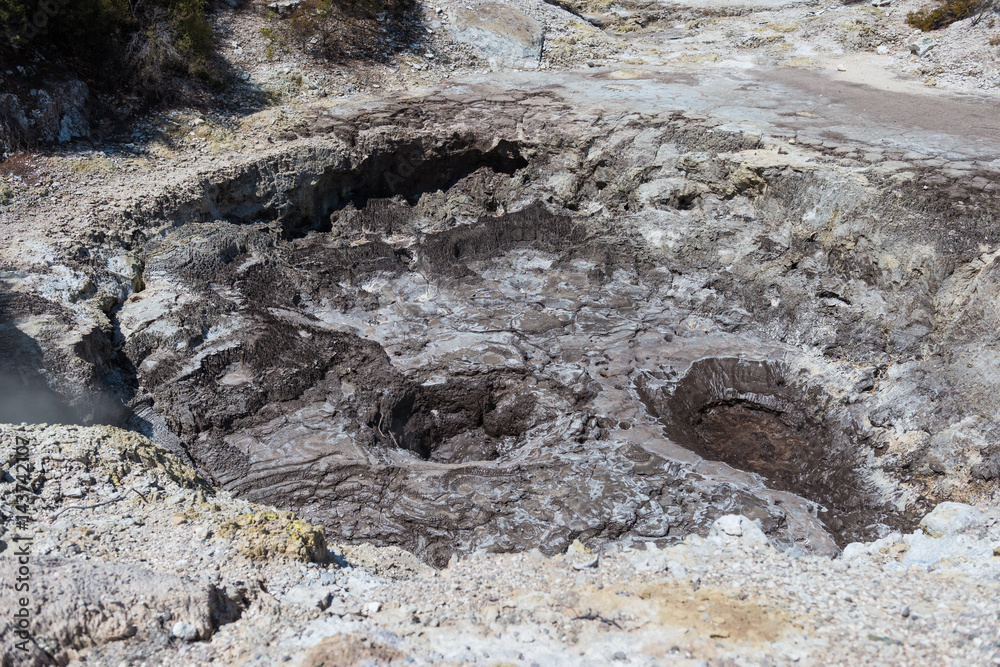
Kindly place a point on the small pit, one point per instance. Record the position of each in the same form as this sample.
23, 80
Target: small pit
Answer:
460, 421
752, 416
406, 173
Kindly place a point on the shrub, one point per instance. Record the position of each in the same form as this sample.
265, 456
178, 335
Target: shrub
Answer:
348, 29
275, 42
144, 42
946, 13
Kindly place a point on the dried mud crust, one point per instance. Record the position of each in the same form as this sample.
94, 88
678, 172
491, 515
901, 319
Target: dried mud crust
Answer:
275, 405
418, 350
324, 335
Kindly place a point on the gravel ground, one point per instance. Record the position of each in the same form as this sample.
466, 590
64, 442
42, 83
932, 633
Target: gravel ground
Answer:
277, 594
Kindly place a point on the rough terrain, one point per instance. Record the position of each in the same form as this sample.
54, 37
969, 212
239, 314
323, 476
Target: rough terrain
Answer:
598, 281
136, 560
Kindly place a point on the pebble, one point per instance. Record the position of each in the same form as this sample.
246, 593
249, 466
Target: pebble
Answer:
184, 631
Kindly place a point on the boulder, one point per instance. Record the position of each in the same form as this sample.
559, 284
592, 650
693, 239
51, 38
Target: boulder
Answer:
733, 527
505, 37
921, 45
949, 519
308, 596
184, 631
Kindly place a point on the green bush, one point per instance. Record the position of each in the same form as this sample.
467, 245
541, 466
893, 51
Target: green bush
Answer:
350, 29
12, 12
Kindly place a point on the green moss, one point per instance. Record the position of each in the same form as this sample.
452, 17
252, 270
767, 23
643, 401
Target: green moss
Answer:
945, 14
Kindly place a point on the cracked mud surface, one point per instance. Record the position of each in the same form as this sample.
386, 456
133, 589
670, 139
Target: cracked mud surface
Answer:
433, 347
544, 325
405, 379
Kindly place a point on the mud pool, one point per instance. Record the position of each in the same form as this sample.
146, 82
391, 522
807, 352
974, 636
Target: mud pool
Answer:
461, 324
462, 365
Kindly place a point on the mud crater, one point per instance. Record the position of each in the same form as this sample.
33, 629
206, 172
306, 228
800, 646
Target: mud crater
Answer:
756, 416
428, 349
460, 421
404, 175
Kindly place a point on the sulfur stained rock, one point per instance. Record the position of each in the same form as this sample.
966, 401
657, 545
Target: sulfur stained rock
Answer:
113, 447
268, 533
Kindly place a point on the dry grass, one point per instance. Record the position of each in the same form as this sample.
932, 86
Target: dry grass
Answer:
19, 165
347, 30
94, 165
218, 139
